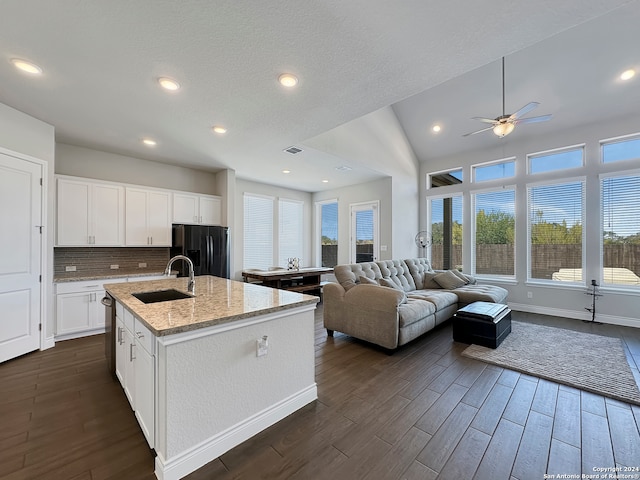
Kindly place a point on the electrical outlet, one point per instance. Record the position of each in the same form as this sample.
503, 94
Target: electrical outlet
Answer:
262, 346
114, 267
70, 268
529, 294
142, 265
383, 248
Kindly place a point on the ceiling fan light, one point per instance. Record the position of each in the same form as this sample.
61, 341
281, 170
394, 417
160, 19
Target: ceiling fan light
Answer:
503, 129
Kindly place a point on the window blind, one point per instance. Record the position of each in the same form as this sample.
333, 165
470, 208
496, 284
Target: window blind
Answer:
290, 230
494, 247
556, 239
621, 230
446, 232
329, 234
258, 232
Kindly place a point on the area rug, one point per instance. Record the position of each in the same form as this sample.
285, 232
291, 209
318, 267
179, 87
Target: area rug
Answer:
589, 362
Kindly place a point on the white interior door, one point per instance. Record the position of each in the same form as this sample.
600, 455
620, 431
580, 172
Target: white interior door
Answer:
20, 252
364, 232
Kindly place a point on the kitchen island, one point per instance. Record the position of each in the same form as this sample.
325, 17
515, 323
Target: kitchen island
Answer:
207, 372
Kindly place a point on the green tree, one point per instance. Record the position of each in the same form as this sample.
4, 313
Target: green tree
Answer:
495, 228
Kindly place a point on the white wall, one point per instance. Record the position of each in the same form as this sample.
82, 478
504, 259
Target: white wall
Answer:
90, 163
380, 190
614, 306
237, 235
27, 135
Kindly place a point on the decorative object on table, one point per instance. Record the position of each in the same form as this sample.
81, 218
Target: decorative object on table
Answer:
594, 363
594, 294
293, 263
423, 240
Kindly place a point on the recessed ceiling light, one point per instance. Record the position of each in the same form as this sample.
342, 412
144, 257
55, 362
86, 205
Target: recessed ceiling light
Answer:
149, 142
168, 84
219, 129
325, 181
436, 128
27, 67
288, 80
286, 171
627, 74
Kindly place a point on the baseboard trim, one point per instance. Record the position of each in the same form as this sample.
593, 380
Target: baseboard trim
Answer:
84, 333
190, 460
575, 314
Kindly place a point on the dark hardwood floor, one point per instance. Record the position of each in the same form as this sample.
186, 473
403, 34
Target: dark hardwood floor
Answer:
424, 412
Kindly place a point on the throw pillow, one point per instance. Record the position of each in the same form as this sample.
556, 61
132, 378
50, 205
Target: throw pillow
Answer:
460, 275
472, 280
448, 280
367, 281
427, 280
385, 282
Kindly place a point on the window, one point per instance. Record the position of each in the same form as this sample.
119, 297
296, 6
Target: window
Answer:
446, 232
494, 246
555, 231
621, 230
364, 232
494, 171
556, 160
442, 179
328, 215
290, 230
617, 150
258, 231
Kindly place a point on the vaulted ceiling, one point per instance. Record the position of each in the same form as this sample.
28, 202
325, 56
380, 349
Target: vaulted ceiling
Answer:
430, 62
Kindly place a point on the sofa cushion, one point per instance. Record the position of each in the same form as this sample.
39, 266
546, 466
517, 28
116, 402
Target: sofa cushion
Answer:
428, 281
418, 267
449, 280
460, 275
398, 272
347, 275
441, 299
414, 310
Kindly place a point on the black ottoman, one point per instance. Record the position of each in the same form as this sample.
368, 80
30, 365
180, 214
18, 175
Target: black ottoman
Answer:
482, 323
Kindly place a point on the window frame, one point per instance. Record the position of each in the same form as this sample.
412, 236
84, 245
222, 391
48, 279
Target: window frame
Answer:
620, 139
429, 199
318, 222
554, 151
491, 163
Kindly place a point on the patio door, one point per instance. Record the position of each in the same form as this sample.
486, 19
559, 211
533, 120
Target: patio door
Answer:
364, 232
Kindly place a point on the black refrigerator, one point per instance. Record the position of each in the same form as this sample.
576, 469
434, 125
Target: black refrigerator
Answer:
206, 246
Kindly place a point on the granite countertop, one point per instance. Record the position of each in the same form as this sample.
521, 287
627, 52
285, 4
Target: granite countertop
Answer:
217, 301
104, 274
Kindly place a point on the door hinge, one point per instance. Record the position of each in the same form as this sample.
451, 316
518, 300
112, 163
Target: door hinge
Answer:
40, 181
40, 327
40, 278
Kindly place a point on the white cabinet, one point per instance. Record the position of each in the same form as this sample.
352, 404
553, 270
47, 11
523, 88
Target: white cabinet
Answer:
136, 370
148, 217
89, 213
79, 311
191, 208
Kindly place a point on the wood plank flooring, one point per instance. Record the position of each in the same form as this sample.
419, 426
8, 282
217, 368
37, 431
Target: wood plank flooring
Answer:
424, 412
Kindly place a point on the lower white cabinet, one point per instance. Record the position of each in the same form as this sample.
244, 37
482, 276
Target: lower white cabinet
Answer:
136, 369
79, 311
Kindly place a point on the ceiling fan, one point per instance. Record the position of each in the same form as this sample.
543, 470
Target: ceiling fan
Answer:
504, 124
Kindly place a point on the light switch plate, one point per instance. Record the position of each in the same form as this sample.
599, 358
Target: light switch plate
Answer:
142, 265
114, 267
70, 268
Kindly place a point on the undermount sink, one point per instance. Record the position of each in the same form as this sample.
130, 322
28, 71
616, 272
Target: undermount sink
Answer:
161, 296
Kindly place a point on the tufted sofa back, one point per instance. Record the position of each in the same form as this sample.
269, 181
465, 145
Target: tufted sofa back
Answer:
398, 273
417, 268
349, 275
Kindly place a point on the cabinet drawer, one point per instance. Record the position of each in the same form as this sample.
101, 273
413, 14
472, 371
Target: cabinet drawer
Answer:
86, 285
128, 320
144, 337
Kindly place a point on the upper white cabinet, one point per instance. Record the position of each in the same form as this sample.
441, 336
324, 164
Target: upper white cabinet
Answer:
196, 209
89, 213
148, 217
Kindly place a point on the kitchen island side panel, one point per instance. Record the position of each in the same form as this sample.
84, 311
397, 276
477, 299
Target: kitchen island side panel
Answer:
212, 384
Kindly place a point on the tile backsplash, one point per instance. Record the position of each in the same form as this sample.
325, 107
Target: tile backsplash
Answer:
99, 259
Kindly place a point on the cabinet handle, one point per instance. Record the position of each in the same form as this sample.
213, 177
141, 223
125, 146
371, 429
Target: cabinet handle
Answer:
119, 340
201, 219
139, 334
151, 241
131, 357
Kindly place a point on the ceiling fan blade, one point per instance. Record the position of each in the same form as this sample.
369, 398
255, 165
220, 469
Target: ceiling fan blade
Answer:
523, 111
541, 118
478, 131
485, 120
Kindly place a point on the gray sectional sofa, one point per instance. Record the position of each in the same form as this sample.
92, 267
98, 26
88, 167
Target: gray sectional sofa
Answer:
391, 302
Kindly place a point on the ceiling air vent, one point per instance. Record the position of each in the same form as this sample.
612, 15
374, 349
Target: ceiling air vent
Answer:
293, 150
344, 168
